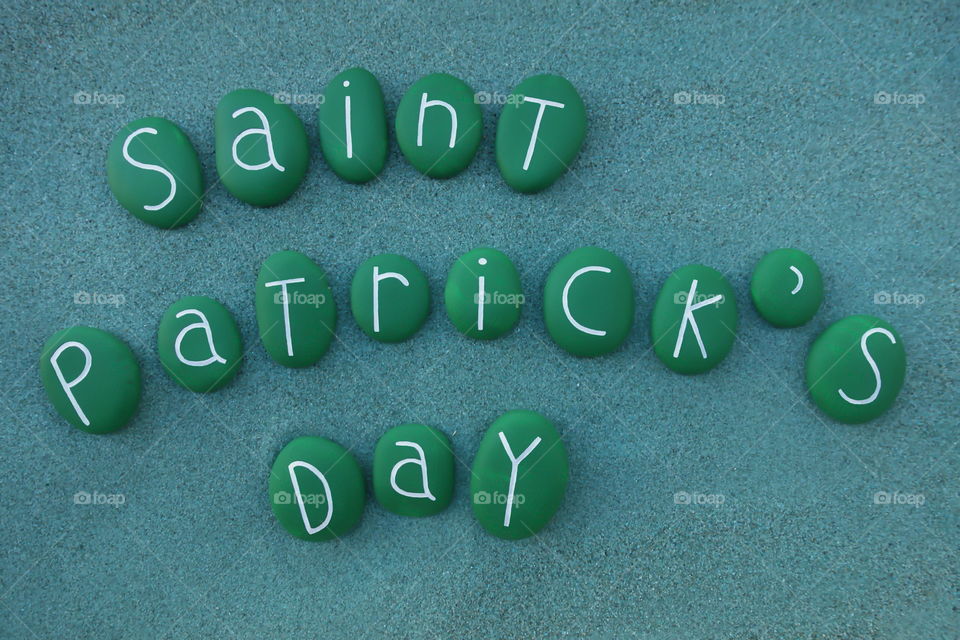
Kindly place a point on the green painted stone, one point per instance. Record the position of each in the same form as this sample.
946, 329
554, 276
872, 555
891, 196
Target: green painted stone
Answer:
787, 288
91, 377
482, 295
695, 300
155, 174
358, 152
413, 470
296, 313
519, 475
199, 344
540, 131
439, 149
855, 369
262, 151
588, 302
390, 297
316, 489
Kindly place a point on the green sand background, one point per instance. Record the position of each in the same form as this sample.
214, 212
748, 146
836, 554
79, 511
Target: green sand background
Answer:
800, 154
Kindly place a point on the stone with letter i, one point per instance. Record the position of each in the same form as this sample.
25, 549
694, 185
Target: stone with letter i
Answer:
483, 295
352, 123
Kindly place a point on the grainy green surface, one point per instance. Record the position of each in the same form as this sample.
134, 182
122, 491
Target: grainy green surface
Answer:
810, 148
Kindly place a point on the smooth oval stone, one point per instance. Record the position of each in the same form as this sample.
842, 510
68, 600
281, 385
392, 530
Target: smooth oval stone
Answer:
91, 377
262, 151
787, 288
855, 369
519, 475
588, 302
439, 125
540, 131
694, 319
199, 344
413, 470
482, 295
352, 122
155, 174
296, 313
389, 297
316, 489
